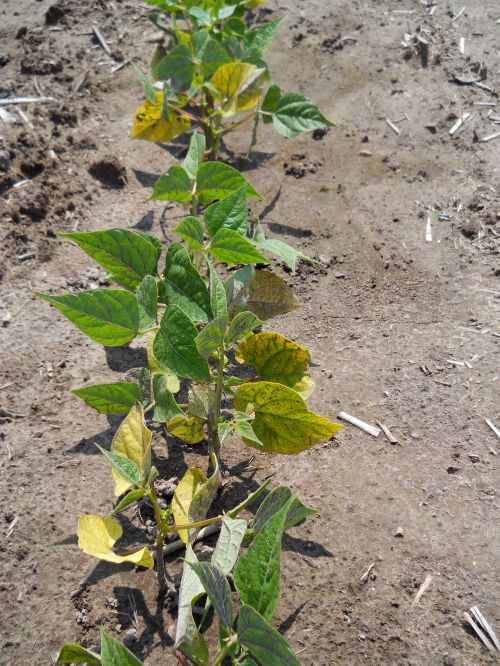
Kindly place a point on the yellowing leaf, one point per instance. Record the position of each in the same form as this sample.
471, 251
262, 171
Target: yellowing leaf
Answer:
239, 85
189, 429
282, 421
98, 535
269, 296
276, 358
192, 481
149, 125
133, 441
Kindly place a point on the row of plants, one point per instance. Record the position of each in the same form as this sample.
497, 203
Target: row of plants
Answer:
211, 369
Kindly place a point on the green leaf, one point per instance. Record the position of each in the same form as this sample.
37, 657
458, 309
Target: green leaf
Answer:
259, 39
229, 213
174, 185
147, 300
127, 255
269, 296
142, 377
114, 653
241, 326
246, 431
274, 357
276, 499
228, 544
125, 467
129, 499
146, 84
191, 230
212, 56
184, 286
295, 114
284, 251
76, 654
108, 316
195, 154
262, 641
205, 495
116, 398
282, 421
216, 180
187, 638
257, 574
211, 336
165, 406
270, 102
172, 382
232, 248
237, 287
218, 298
201, 401
178, 67
217, 588
175, 346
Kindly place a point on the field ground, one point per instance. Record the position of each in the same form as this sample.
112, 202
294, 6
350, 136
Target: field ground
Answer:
383, 319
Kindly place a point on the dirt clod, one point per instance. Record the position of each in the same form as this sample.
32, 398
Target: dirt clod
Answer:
109, 172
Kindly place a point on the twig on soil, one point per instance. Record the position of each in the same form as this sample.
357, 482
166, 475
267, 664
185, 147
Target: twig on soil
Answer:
100, 39
26, 100
428, 231
364, 578
423, 588
483, 86
490, 423
479, 617
178, 544
458, 15
74, 461
24, 117
81, 81
371, 430
11, 526
37, 87
490, 137
458, 124
117, 68
478, 631
393, 127
387, 433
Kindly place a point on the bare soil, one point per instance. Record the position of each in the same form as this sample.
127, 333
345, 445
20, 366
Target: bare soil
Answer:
383, 320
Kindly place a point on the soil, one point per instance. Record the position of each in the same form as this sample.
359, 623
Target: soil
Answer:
403, 331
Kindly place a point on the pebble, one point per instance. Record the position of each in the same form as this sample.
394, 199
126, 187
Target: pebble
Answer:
474, 458
130, 637
399, 532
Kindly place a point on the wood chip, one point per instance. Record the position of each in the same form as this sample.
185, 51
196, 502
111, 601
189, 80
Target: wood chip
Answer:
423, 588
390, 437
479, 617
458, 15
428, 231
458, 124
364, 578
478, 631
371, 430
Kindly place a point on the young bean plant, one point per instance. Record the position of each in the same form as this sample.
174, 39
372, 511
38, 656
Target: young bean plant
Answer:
214, 76
247, 639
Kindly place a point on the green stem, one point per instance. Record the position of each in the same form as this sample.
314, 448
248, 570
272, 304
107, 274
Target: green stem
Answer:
199, 523
231, 642
230, 128
160, 539
213, 430
194, 205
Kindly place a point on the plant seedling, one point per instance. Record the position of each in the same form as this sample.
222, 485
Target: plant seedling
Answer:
215, 77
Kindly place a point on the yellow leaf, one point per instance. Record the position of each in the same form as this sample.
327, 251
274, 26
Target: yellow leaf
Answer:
304, 387
172, 381
282, 421
191, 482
98, 535
276, 358
189, 429
239, 85
149, 125
133, 441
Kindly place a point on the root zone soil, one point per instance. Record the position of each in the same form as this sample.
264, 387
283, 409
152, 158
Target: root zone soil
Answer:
383, 320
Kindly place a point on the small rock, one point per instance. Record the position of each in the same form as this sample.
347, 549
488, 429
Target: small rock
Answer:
206, 550
166, 488
130, 637
399, 532
474, 458
362, 637
470, 229
415, 435
340, 276
453, 470
6, 319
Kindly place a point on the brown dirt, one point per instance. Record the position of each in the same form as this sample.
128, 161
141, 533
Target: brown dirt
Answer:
382, 321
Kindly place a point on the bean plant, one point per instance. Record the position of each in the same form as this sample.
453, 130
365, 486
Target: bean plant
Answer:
214, 76
255, 575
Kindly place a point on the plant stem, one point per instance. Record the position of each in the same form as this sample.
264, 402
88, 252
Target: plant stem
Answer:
194, 205
199, 523
213, 430
231, 642
230, 128
160, 539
